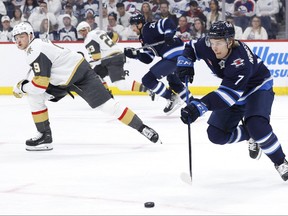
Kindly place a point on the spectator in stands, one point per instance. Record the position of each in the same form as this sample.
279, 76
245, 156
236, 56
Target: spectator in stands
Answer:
178, 7
214, 14
155, 8
104, 17
198, 29
46, 27
17, 17
39, 14
6, 30
267, 10
55, 7
255, 31
79, 11
183, 30
89, 18
147, 12
68, 9
243, 11
204, 7
113, 26
91, 6
123, 16
3, 10
238, 29
164, 13
194, 13
28, 8
17, 3
111, 6
68, 32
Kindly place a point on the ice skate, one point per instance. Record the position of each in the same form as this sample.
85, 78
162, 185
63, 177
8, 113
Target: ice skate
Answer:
254, 149
150, 134
151, 94
283, 170
41, 142
173, 104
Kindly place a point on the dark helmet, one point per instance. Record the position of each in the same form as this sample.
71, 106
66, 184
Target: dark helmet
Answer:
135, 20
221, 29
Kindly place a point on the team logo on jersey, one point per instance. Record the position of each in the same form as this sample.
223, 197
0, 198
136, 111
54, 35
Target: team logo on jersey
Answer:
29, 50
238, 62
222, 64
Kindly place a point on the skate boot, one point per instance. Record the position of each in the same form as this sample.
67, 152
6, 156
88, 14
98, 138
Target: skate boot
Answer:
283, 170
149, 133
173, 104
254, 149
41, 142
151, 94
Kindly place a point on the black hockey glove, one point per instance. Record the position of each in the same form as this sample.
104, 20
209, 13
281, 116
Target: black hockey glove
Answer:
131, 52
192, 111
185, 69
169, 38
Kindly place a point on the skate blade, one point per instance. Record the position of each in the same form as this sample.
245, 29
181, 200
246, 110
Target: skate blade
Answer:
41, 147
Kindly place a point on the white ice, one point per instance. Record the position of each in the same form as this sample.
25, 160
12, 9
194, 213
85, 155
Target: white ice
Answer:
102, 167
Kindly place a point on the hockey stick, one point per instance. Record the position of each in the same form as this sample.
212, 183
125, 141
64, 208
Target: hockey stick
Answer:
184, 176
149, 45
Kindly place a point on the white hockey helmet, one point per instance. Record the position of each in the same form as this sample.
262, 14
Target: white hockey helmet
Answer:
83, 25
23, 27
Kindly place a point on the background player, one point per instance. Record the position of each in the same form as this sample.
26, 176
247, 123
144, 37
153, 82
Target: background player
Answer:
246, 92
150, 33
58, 71
108, 58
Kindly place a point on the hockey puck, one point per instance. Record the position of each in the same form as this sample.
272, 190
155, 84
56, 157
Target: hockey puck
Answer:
149, 204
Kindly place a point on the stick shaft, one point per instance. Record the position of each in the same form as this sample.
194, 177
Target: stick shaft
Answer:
189, 130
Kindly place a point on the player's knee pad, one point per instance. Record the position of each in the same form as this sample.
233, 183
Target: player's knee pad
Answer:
149, 80
258, 127
112, 107
37, 102
217, 136
123, 85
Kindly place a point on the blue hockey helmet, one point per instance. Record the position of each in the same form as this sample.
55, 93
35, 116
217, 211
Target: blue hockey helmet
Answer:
221, 29
135, 20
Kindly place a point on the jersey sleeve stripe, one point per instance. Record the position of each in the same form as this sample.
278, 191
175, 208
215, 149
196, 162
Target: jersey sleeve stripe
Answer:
225, 97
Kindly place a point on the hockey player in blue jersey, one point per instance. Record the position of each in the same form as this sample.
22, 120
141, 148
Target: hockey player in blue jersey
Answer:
245, 94
150, 33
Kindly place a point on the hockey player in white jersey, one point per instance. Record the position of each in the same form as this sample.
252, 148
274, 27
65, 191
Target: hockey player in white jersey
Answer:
57, 72
108, 58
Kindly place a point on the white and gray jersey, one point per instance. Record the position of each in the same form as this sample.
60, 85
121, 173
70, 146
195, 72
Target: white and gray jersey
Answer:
51, 64
100, 45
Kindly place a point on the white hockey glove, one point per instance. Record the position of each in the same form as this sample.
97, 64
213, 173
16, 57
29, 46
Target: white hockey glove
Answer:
18, 89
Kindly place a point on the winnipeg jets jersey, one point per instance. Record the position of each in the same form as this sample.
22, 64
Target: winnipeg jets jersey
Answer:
154, 32
242, 73
100, 45
51, 64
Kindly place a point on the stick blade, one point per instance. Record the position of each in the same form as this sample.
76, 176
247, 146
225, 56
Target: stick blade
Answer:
186, 178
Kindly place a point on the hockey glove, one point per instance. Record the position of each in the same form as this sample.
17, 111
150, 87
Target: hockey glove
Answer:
185, 68
192, 111
131, 53
18, 89
169, 38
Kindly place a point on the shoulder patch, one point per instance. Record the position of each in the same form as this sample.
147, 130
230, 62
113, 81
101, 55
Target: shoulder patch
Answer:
238, 62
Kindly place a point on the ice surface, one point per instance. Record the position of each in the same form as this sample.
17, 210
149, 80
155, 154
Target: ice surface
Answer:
102, 167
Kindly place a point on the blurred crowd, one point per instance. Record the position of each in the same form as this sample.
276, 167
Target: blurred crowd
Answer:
58, 19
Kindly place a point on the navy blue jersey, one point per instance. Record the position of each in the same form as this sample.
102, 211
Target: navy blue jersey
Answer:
242, 73
153, 32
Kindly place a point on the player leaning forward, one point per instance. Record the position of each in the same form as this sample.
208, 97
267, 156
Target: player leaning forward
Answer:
108, 58
246, 91
58, 71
